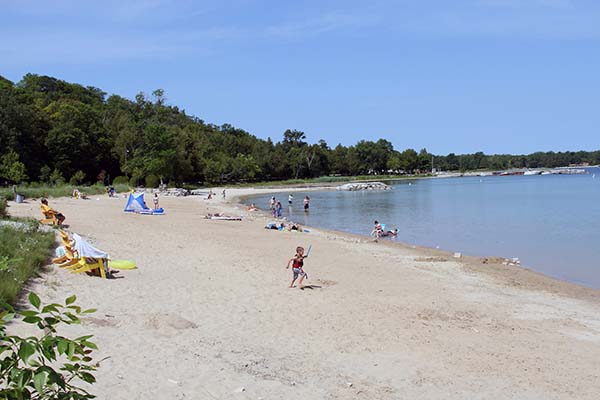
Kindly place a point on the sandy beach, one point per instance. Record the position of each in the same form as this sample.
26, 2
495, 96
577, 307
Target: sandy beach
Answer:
209, 315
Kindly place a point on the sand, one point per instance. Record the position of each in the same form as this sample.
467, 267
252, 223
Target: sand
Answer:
209, 315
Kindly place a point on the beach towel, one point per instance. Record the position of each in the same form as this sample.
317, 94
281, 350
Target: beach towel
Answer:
225, 218
84, 249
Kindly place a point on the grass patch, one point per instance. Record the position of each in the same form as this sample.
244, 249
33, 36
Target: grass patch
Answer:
2, 207
23, 250
36, 190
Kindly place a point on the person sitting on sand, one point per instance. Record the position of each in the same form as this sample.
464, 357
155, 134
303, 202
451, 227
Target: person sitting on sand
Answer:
47, 210
377, 229
297, 263
252, 207
79, 195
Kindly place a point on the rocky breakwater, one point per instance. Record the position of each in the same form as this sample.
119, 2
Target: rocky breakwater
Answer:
356, 186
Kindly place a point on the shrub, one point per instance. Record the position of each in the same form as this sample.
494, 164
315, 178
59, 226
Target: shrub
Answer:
23, 250
45, 366
121, 180
133, 182
2, 207
56, 177
152, 181
77, 178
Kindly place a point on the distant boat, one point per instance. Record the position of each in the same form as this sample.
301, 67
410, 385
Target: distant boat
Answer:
532, 172
509, 173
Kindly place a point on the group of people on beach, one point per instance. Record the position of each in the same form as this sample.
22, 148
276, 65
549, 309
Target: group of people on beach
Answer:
277, 208
211, 194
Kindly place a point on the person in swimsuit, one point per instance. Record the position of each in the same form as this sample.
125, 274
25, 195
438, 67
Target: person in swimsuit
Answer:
377, 229
306, 203
297, 263
387, 233
155, 199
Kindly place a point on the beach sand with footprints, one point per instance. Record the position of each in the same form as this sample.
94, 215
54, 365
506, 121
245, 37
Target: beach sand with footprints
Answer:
209, 315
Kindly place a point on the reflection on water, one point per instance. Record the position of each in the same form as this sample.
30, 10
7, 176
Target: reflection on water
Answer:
552, 223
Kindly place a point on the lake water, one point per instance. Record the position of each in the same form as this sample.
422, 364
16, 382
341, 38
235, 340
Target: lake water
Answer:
550, 222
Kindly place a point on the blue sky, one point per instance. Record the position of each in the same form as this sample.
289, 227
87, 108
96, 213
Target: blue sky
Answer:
499, 76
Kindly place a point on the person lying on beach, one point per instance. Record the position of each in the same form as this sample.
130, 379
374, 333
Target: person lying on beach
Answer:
222, 216
252, 207
297, 263
275, 226
294, 227
390, 233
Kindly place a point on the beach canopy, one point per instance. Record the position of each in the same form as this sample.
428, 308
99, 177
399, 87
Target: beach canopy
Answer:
135, 203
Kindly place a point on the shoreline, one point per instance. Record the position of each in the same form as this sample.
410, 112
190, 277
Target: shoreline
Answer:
210, 304
518, 275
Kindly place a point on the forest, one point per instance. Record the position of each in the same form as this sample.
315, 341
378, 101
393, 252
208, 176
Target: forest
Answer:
54, 132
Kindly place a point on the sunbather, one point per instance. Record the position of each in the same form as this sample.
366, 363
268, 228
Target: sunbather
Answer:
49, 212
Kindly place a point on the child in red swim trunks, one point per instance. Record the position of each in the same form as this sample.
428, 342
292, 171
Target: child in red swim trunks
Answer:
297, 266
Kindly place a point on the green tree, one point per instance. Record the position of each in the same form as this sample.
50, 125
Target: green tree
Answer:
77, 178
11, 168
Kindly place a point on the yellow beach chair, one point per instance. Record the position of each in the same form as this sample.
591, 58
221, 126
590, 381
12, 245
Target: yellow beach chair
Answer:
49, 216
92, 265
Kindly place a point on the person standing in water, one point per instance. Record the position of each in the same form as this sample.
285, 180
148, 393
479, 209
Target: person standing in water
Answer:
306, 203
290, 199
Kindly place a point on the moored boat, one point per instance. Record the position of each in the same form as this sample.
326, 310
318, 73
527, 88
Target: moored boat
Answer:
532, 172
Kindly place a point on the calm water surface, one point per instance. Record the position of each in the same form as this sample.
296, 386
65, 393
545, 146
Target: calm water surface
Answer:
551, 222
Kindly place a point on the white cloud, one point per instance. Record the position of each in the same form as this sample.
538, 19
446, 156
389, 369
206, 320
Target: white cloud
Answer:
320, 24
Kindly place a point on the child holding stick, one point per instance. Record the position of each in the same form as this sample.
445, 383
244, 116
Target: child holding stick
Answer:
297, 263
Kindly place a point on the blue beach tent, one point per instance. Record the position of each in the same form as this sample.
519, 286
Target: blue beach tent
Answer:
135, 203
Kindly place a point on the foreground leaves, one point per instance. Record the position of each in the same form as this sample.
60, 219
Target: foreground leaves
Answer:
49, 366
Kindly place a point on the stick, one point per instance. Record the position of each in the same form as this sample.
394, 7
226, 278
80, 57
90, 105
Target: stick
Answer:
308, 251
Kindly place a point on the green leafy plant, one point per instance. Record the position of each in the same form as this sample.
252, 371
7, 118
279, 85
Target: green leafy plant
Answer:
121, 180
152, 181
48, 366
3, 212
77, 178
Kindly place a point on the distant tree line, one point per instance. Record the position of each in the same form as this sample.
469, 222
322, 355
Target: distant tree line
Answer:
54, 131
